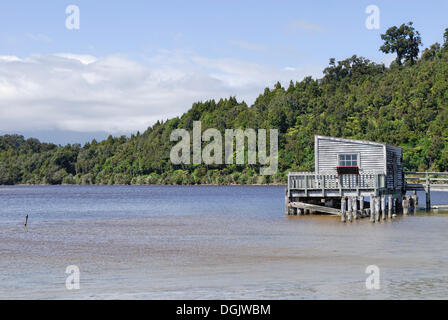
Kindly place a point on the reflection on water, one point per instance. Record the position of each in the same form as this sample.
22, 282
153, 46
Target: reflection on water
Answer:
209, 243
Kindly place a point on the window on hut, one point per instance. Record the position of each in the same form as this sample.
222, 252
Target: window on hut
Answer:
348, 160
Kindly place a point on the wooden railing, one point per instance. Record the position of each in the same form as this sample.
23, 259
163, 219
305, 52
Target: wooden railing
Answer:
426, 180
313, 181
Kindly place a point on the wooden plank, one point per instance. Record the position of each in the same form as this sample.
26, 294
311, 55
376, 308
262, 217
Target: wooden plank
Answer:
422, 187
440, 206
323, 209
424, 173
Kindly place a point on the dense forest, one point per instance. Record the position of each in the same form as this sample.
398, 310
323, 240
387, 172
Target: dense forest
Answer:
405, 104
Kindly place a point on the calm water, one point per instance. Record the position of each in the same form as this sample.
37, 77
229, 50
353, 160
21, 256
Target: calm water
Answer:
209, 243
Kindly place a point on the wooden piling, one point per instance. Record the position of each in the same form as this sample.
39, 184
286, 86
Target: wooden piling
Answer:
350, 209
428, 193
361, 206
372, 208
372, 216
355, 207
377, 208
390, 206
343, 208
383, 206
406, 204
287, 203
414, 198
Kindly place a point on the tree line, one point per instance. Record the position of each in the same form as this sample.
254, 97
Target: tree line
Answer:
405, 104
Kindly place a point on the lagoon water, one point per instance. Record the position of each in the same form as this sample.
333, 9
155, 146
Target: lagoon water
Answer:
204, 242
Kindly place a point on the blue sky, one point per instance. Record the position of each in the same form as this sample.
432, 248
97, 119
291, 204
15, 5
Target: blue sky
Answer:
133, 62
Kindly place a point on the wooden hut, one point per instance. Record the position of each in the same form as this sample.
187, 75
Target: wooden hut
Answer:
346, 168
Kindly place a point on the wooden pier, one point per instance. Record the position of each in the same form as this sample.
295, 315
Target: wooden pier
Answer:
350, 171
427, 182
332, 191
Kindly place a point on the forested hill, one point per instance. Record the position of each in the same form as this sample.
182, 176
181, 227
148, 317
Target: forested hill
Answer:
404, 105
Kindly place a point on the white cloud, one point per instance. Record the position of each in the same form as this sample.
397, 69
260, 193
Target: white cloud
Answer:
83, 58
248, 46
9, 58
303, 26
116, 94
39, 37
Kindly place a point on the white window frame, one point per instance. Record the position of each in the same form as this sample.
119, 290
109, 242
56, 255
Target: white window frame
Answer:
358, 159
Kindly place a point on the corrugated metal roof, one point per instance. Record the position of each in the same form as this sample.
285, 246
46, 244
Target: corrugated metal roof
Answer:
355, 141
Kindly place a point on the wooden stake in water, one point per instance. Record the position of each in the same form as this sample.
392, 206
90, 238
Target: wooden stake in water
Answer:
406, 204
350, 209
377, 208
343, 204
414, 202
390, 206
361, 206
26, 223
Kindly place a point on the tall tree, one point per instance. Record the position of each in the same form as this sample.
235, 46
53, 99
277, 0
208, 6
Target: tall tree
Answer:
404, 41
445, 37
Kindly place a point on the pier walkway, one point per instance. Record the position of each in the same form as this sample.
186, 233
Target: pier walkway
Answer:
304, 188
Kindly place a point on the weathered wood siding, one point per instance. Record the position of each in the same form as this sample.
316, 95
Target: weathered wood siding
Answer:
394, 167
371, 156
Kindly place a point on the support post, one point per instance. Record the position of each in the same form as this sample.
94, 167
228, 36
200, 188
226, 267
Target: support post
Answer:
361, 206
306, 186
394, 207
323, 186
355, 207
383, 206
406, 204
350, 209
340, 185
390, 203
377, 208
414, 198
372, 208
343, 210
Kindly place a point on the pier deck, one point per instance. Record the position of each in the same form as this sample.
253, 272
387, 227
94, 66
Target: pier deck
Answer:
420, 181
305, 188
307, 184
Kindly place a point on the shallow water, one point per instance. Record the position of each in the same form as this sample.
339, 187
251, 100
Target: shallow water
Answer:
208, 243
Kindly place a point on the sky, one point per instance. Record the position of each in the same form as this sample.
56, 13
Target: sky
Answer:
134, 62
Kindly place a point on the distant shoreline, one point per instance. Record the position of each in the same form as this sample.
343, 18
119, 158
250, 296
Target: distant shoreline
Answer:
142, 185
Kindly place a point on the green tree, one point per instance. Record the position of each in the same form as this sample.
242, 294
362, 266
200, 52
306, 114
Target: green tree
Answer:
404, 41
356, 98
445, 37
